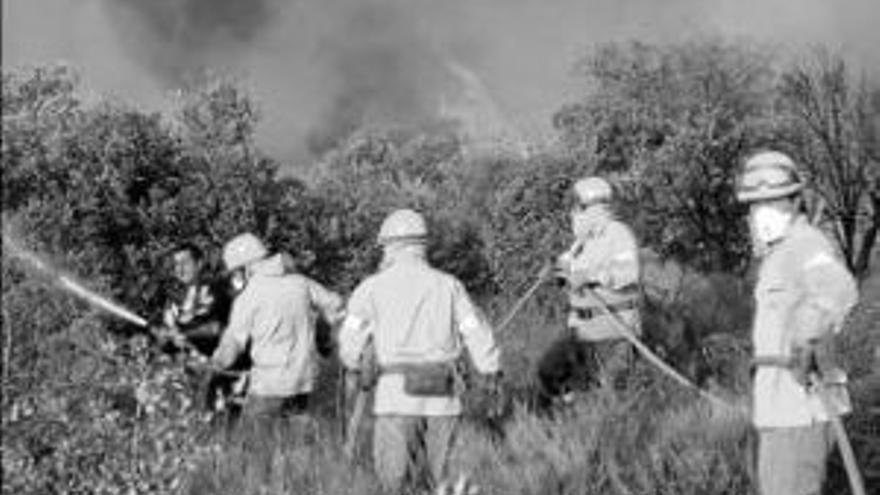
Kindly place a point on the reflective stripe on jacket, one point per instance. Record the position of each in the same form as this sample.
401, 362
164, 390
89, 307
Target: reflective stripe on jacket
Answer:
415, 314
803, 292
274, 314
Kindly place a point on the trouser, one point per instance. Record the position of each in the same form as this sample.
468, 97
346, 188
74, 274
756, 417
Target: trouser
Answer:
575, 364
614, 359
267, 419
791, 461
265, 407
268, 424
404, 445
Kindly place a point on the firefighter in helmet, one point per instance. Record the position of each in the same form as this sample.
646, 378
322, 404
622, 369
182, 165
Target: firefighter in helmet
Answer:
601, 273
802, 296
419, 321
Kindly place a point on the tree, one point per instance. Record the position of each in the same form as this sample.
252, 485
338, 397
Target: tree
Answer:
40, 109
669, 124
374, 172
835, 133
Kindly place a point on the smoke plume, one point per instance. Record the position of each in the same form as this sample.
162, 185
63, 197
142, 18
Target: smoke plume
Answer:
381, 72
173, 37
322, 68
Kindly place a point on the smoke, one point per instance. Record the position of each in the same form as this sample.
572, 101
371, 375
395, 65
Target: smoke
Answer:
382, 72
172, 37
322, 68
336, 65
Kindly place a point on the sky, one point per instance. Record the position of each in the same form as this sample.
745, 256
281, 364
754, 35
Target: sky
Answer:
320, 67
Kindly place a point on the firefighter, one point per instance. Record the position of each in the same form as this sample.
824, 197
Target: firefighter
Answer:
418, 320
197, 309
802, 296
272, 320
603, 261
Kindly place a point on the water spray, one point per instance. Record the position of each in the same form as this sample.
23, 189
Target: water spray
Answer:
67, 283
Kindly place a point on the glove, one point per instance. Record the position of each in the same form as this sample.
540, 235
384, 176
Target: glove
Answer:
561, 269
803, 362
560, 277
495, 394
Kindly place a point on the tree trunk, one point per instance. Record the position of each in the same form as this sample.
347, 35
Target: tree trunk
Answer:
863, 260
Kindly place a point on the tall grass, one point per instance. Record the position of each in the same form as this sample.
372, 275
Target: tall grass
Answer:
649, 438
133, 427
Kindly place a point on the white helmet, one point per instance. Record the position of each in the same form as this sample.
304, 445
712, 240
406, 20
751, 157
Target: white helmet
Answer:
768, 175
243, 250
592, 190
402, 225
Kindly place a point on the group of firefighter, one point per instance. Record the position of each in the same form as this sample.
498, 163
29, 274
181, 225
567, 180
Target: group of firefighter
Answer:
414, 322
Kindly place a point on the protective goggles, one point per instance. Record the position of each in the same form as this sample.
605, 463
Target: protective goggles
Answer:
768, 178
584, 205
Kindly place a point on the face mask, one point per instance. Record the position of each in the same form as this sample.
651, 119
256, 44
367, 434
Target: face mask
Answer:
768, 224
585, 222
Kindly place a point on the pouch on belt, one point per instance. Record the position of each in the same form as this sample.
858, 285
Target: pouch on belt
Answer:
426, 380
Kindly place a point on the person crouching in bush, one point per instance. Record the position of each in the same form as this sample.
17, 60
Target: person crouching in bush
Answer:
194, 315
195, 310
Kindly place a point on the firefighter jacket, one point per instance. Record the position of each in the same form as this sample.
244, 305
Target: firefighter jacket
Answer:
274, 316
605, 259
414, 315
803, 292
200, 312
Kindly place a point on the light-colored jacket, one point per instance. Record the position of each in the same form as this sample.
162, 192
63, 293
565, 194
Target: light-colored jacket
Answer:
803, 292
607, 261
275, 315
415, 314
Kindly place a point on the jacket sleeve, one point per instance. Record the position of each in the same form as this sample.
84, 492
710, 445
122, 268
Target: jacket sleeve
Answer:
328, 303
475, 331
357, 327
564, 261
235, 338
829, 293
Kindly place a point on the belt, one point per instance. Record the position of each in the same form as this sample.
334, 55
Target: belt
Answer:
589, 313
772, 361
403, 368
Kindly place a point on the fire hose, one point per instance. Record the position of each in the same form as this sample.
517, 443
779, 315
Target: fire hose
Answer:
817, 385
540, 279
622, 328
360, 404
845, 446
625, 331
856, 483
67, 283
